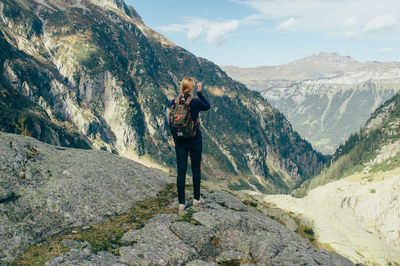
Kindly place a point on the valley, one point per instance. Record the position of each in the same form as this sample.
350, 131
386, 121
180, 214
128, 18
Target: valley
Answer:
353, 205
327, 96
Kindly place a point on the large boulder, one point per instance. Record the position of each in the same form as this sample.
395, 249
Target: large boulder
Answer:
45, 189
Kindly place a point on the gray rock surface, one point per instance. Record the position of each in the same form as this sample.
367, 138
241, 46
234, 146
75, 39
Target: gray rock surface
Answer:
70, 243
280, 216
84, 257
196, 236
212, 233
232, 256
155, 244
201, 263
46, 189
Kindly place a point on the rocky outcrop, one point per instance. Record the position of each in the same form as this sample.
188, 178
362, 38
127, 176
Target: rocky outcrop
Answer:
45, 189
222, 231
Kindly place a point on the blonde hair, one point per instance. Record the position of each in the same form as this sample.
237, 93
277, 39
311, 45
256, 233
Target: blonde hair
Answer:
187, 86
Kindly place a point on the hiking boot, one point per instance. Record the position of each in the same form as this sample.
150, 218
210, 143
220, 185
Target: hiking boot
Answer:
181, 207
198, 202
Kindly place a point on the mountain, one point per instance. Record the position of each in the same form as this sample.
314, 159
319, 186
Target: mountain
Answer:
353, 205
323, 65
326, 96
373, 149
102, 79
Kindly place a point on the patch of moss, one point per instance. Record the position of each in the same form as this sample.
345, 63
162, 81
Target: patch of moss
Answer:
238, 262
305, 231
250, 203
32, 152
187, 217
231, 263
104, 236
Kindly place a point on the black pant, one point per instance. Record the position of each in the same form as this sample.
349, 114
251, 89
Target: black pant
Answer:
182, 150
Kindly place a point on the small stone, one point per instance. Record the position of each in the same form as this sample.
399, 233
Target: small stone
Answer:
86, 227
86, 252
201, 263
232, 256
74, 232
69, 243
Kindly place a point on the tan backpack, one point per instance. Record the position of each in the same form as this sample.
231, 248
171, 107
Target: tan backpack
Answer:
180, 119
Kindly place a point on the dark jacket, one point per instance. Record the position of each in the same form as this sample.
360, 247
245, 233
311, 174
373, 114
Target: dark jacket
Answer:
196, 105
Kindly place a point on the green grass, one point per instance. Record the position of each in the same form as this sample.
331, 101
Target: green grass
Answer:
305, 231
187, 217
387, 165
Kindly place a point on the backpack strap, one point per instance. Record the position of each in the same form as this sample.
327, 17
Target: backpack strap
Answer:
189, 99
176, 100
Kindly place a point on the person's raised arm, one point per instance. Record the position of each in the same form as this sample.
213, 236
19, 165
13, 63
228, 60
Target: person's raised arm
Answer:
204, 104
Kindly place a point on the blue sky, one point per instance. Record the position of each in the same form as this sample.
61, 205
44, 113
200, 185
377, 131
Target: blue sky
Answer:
270, 32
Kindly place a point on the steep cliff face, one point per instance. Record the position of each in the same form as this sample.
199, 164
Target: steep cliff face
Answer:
94, 66
327, 96
21, 116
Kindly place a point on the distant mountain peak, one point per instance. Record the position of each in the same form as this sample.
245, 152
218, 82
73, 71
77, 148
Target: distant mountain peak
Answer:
325, 58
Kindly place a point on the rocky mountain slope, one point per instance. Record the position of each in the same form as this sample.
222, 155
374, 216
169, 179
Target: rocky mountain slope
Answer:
353, 204
93, 207
376, 147
104, 79
327, 96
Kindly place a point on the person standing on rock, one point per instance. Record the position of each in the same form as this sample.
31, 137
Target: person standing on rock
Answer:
185, 129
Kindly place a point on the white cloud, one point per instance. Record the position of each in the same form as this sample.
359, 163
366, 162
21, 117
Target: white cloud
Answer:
352, 21
218, 32
288, 23
381, 23
214, 32
339, 18
194, 31
385, 50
